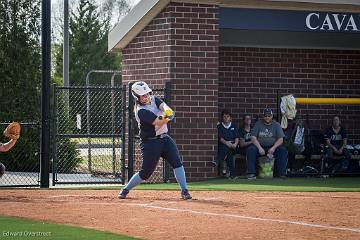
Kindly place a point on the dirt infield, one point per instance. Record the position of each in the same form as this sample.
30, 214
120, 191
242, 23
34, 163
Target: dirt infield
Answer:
210, 215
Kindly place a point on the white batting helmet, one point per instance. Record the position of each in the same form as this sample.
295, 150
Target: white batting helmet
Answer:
139, 88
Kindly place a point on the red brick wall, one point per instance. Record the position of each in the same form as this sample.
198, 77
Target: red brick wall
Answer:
250, 77
195, 85
181, 45
147, 58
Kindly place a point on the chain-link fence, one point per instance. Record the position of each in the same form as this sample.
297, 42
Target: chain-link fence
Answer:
22, 162
88, 139
88, 135
161, 173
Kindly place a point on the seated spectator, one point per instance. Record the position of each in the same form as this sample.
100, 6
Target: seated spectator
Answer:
228, 141
336, 141
245, 135
267, 138
294, 141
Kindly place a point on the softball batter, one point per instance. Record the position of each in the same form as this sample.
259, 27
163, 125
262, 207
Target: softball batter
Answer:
152, 115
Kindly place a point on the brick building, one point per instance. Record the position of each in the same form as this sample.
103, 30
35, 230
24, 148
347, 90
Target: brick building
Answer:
238, 55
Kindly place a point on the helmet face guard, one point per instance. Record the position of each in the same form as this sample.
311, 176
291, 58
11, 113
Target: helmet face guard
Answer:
139, 89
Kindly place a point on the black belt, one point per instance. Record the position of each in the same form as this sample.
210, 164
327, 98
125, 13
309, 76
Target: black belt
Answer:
158, 136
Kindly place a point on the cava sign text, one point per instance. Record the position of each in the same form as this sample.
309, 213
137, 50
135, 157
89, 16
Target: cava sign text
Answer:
288, 20
333, 22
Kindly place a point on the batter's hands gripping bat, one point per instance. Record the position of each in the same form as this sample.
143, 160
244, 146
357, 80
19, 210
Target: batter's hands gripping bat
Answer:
170, 114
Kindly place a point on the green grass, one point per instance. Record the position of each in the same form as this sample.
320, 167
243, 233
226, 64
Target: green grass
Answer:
101, 163
288, 185
28, 229
346, 184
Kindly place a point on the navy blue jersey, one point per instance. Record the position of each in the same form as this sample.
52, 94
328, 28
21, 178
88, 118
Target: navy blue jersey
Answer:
146, 115
228, 134
336, 139
246, 135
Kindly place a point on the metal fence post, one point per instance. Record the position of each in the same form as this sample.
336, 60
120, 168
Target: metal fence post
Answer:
113, 121
167, 97
113, 118
123, 130
130, 134
88, 121
54, 135
45, 92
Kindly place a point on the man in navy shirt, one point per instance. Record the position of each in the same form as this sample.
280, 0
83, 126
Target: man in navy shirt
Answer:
228, 141
336, 140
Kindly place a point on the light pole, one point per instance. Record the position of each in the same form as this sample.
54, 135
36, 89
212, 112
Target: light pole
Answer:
45, 92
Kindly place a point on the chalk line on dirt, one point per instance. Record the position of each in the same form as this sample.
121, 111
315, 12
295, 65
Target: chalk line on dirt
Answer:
281, 197
357, 230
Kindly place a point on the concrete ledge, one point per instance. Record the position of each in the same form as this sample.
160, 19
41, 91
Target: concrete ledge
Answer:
300, 156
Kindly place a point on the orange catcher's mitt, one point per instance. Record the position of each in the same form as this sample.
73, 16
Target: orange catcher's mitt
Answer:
13, 130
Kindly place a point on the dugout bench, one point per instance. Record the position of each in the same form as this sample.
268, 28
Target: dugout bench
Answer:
316, 160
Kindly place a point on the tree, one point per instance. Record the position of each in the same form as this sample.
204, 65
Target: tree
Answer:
20, 60
89, 29
113, 10
20, 78
110, 11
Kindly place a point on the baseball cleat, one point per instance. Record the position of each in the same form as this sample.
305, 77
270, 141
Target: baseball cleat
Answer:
123, 193
251, 176
185, 194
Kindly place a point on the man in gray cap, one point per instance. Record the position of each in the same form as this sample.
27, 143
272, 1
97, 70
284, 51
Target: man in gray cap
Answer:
267, 138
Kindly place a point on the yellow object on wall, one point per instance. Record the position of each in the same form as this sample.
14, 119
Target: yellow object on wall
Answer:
345, 101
